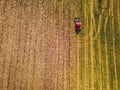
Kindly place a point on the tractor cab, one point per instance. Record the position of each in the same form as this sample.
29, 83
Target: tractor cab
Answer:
77, 25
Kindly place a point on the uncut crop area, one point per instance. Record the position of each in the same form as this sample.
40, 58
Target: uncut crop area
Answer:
39, 49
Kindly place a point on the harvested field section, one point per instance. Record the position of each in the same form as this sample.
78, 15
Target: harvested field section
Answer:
36, 46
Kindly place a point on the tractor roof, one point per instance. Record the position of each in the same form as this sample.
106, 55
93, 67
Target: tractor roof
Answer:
77, 19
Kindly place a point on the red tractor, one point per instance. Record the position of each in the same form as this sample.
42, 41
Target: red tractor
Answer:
77, 25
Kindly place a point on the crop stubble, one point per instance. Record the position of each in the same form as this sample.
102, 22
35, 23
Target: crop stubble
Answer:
40, 51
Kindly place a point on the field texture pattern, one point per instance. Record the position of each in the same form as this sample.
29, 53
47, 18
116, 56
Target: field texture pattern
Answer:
39, 49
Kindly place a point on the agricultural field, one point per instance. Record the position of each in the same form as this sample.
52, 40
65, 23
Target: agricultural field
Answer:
39, 49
